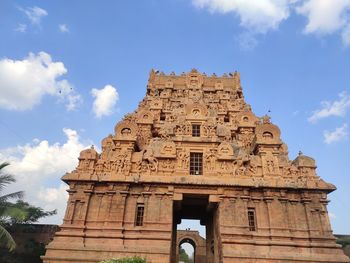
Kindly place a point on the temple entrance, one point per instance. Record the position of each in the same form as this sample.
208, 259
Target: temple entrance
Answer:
186, 250
202, 208
193, 239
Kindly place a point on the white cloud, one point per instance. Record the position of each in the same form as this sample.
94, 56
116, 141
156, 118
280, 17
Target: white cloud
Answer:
34, 14
339, 134
105, 100
38, 167
23, 83
327, 17
63, 28
335, 108
258, 16
22, 28
324, 16
53, 198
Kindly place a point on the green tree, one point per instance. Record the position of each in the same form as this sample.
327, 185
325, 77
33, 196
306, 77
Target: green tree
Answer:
32, 213
7, 210
183, 256
13, 214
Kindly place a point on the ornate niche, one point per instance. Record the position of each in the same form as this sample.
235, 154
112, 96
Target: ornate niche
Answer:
167, 150
267, 133
165, 94
108, 147
194, 80
145, 117
225, 151
246, 122
126, 131
156, 104
169, 84
219, 85
270, 164
196, 112
306, 165
87, 160
246, 119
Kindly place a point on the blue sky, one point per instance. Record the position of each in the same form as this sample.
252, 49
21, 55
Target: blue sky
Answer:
69, 71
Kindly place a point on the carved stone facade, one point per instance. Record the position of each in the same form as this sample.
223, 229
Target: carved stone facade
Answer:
195, 150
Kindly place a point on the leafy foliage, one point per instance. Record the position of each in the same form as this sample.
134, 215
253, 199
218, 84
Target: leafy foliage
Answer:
125, 260
343, 241
6, 211
183, 256
12, 214
32, 213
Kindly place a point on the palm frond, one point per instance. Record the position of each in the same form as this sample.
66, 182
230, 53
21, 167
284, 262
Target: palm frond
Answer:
6, 179
15, 195
6, 239
3, 165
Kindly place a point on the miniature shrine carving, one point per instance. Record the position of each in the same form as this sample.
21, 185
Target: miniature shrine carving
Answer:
194, 149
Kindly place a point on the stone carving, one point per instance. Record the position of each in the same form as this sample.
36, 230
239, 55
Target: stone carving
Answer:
225, 151
121, 164
144, 135
168, 150
183, 129
183, 159
267, 133
126, 130
150, 160
194, 80
209, 129
145, 117
156, 104
155, 171
245, 137
210, 160
87, 159
167, 165
270, 164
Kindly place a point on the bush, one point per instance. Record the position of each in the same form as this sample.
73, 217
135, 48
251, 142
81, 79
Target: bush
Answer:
125, 260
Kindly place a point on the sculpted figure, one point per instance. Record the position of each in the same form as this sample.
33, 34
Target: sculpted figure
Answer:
183, 159
168, 165
252, 169
270, 166
210, 161
152, 161
241, 170
144, 166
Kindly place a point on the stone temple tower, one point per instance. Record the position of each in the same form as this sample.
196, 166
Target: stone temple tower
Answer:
194, 149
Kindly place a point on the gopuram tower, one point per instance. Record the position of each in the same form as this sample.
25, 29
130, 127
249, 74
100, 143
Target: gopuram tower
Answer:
194, 149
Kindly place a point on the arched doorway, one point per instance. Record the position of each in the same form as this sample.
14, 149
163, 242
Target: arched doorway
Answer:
198, 243
191, 256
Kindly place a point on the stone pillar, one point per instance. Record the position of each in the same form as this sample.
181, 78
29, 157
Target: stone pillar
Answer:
268, 200
305, 201
108, 213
